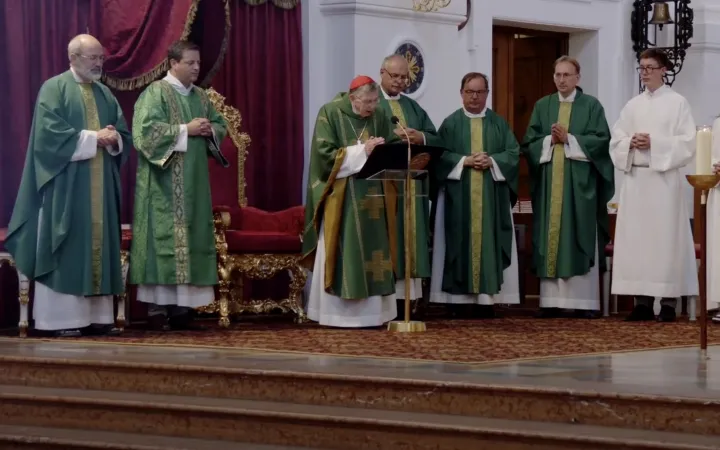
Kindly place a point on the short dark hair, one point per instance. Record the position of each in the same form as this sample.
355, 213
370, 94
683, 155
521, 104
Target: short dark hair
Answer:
659, 56
178, 48
471, 76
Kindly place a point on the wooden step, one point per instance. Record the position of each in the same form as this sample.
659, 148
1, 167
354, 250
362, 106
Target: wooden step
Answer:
573, 404
312, 426
19, 437
22, 437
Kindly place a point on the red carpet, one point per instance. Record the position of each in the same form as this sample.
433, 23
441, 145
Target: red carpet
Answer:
459, 341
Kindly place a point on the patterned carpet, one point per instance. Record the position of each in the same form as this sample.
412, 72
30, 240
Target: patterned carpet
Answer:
459, 341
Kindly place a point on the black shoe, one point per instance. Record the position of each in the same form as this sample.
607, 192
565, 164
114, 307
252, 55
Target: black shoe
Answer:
667, 314
587, 314
101, 330
641, 313
158, 322
483, 312
69, 333
549, 313
184, 322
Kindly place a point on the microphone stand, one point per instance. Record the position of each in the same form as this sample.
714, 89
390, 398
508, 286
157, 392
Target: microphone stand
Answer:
407, 325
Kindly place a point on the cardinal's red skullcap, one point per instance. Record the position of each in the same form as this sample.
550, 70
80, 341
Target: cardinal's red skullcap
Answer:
360, 80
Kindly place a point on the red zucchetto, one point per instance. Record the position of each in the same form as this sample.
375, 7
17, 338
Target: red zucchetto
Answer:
360, 80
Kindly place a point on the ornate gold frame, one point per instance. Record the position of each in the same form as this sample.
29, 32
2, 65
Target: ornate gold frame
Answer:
233, 267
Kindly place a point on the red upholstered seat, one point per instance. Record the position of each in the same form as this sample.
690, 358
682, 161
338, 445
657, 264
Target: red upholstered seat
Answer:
253, 230
126, 239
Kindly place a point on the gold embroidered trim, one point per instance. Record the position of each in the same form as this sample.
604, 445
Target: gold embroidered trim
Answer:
477, 178
284, 4
92, 120
556, 193
177, 166
130, 84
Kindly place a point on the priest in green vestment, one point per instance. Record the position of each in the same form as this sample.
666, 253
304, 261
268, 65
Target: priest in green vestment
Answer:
350, 223
394, 77
176, 130
474, 247
65, 228
572, 180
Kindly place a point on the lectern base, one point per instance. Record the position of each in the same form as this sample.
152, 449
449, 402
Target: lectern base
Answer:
413, 326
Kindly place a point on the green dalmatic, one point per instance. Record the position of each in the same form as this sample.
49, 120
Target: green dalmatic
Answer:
478, 221
569, 197
74, 204
173, 232
411, 115
355, 213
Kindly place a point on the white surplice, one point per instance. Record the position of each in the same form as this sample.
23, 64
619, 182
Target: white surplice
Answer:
654, 249
510, 290
56, 311
183, 295
415, 283
581, 291
713, 230
331, 310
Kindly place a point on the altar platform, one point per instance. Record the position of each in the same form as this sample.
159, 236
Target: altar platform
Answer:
131, 394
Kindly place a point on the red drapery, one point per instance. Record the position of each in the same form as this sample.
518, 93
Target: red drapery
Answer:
262, 77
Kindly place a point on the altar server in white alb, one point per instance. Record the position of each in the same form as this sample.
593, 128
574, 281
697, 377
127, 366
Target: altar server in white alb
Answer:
651, 142
713, 231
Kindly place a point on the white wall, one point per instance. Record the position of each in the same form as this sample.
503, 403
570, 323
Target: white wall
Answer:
344, 38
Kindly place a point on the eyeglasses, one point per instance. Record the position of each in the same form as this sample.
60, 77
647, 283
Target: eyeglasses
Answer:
472, 93
647, 69
93, 58
397, 76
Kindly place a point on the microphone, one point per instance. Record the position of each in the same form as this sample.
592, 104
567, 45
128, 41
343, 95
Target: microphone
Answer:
396, 121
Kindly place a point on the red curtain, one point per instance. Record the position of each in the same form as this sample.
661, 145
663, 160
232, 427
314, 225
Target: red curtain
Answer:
262, 77
33, 47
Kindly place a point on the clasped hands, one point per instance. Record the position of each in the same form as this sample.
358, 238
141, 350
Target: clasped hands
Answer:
478, 161
199, 127
558, 134
415, 136
640, 141
107, 136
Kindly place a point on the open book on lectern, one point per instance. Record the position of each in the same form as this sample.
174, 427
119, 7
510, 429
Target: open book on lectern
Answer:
389, 158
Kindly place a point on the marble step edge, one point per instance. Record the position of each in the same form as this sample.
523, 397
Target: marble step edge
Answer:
20, 403
67, 438
598, 391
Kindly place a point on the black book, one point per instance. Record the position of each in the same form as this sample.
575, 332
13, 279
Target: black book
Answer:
394, 157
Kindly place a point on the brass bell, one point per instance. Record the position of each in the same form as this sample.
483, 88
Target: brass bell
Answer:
661, 14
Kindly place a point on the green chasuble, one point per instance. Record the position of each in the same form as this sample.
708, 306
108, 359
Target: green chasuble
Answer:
411, 115
173, 234
357, 214
78, 252
478, 222
569, 197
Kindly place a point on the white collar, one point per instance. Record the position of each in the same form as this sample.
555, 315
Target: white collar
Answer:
570, 98
480, 115
658, 91
179, 87
387, 97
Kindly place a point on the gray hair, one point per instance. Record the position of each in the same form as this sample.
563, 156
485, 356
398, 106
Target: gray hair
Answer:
365, 89
388, 59
76, 44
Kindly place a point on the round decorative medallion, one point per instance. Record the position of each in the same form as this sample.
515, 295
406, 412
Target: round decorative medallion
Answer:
419, 162
416, 64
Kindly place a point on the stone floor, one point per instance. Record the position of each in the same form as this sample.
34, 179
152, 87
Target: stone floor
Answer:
680, 372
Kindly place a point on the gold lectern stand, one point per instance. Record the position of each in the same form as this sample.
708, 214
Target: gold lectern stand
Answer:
703, 183
407, 177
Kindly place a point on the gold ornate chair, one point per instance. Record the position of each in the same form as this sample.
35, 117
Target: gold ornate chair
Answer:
251, 243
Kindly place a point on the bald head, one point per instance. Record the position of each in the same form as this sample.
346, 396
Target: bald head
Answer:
86, 56
394, 74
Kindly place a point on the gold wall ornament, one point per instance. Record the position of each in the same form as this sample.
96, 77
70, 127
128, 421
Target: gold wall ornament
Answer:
430, 5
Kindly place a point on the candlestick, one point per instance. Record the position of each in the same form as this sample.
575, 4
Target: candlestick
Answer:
703, 150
